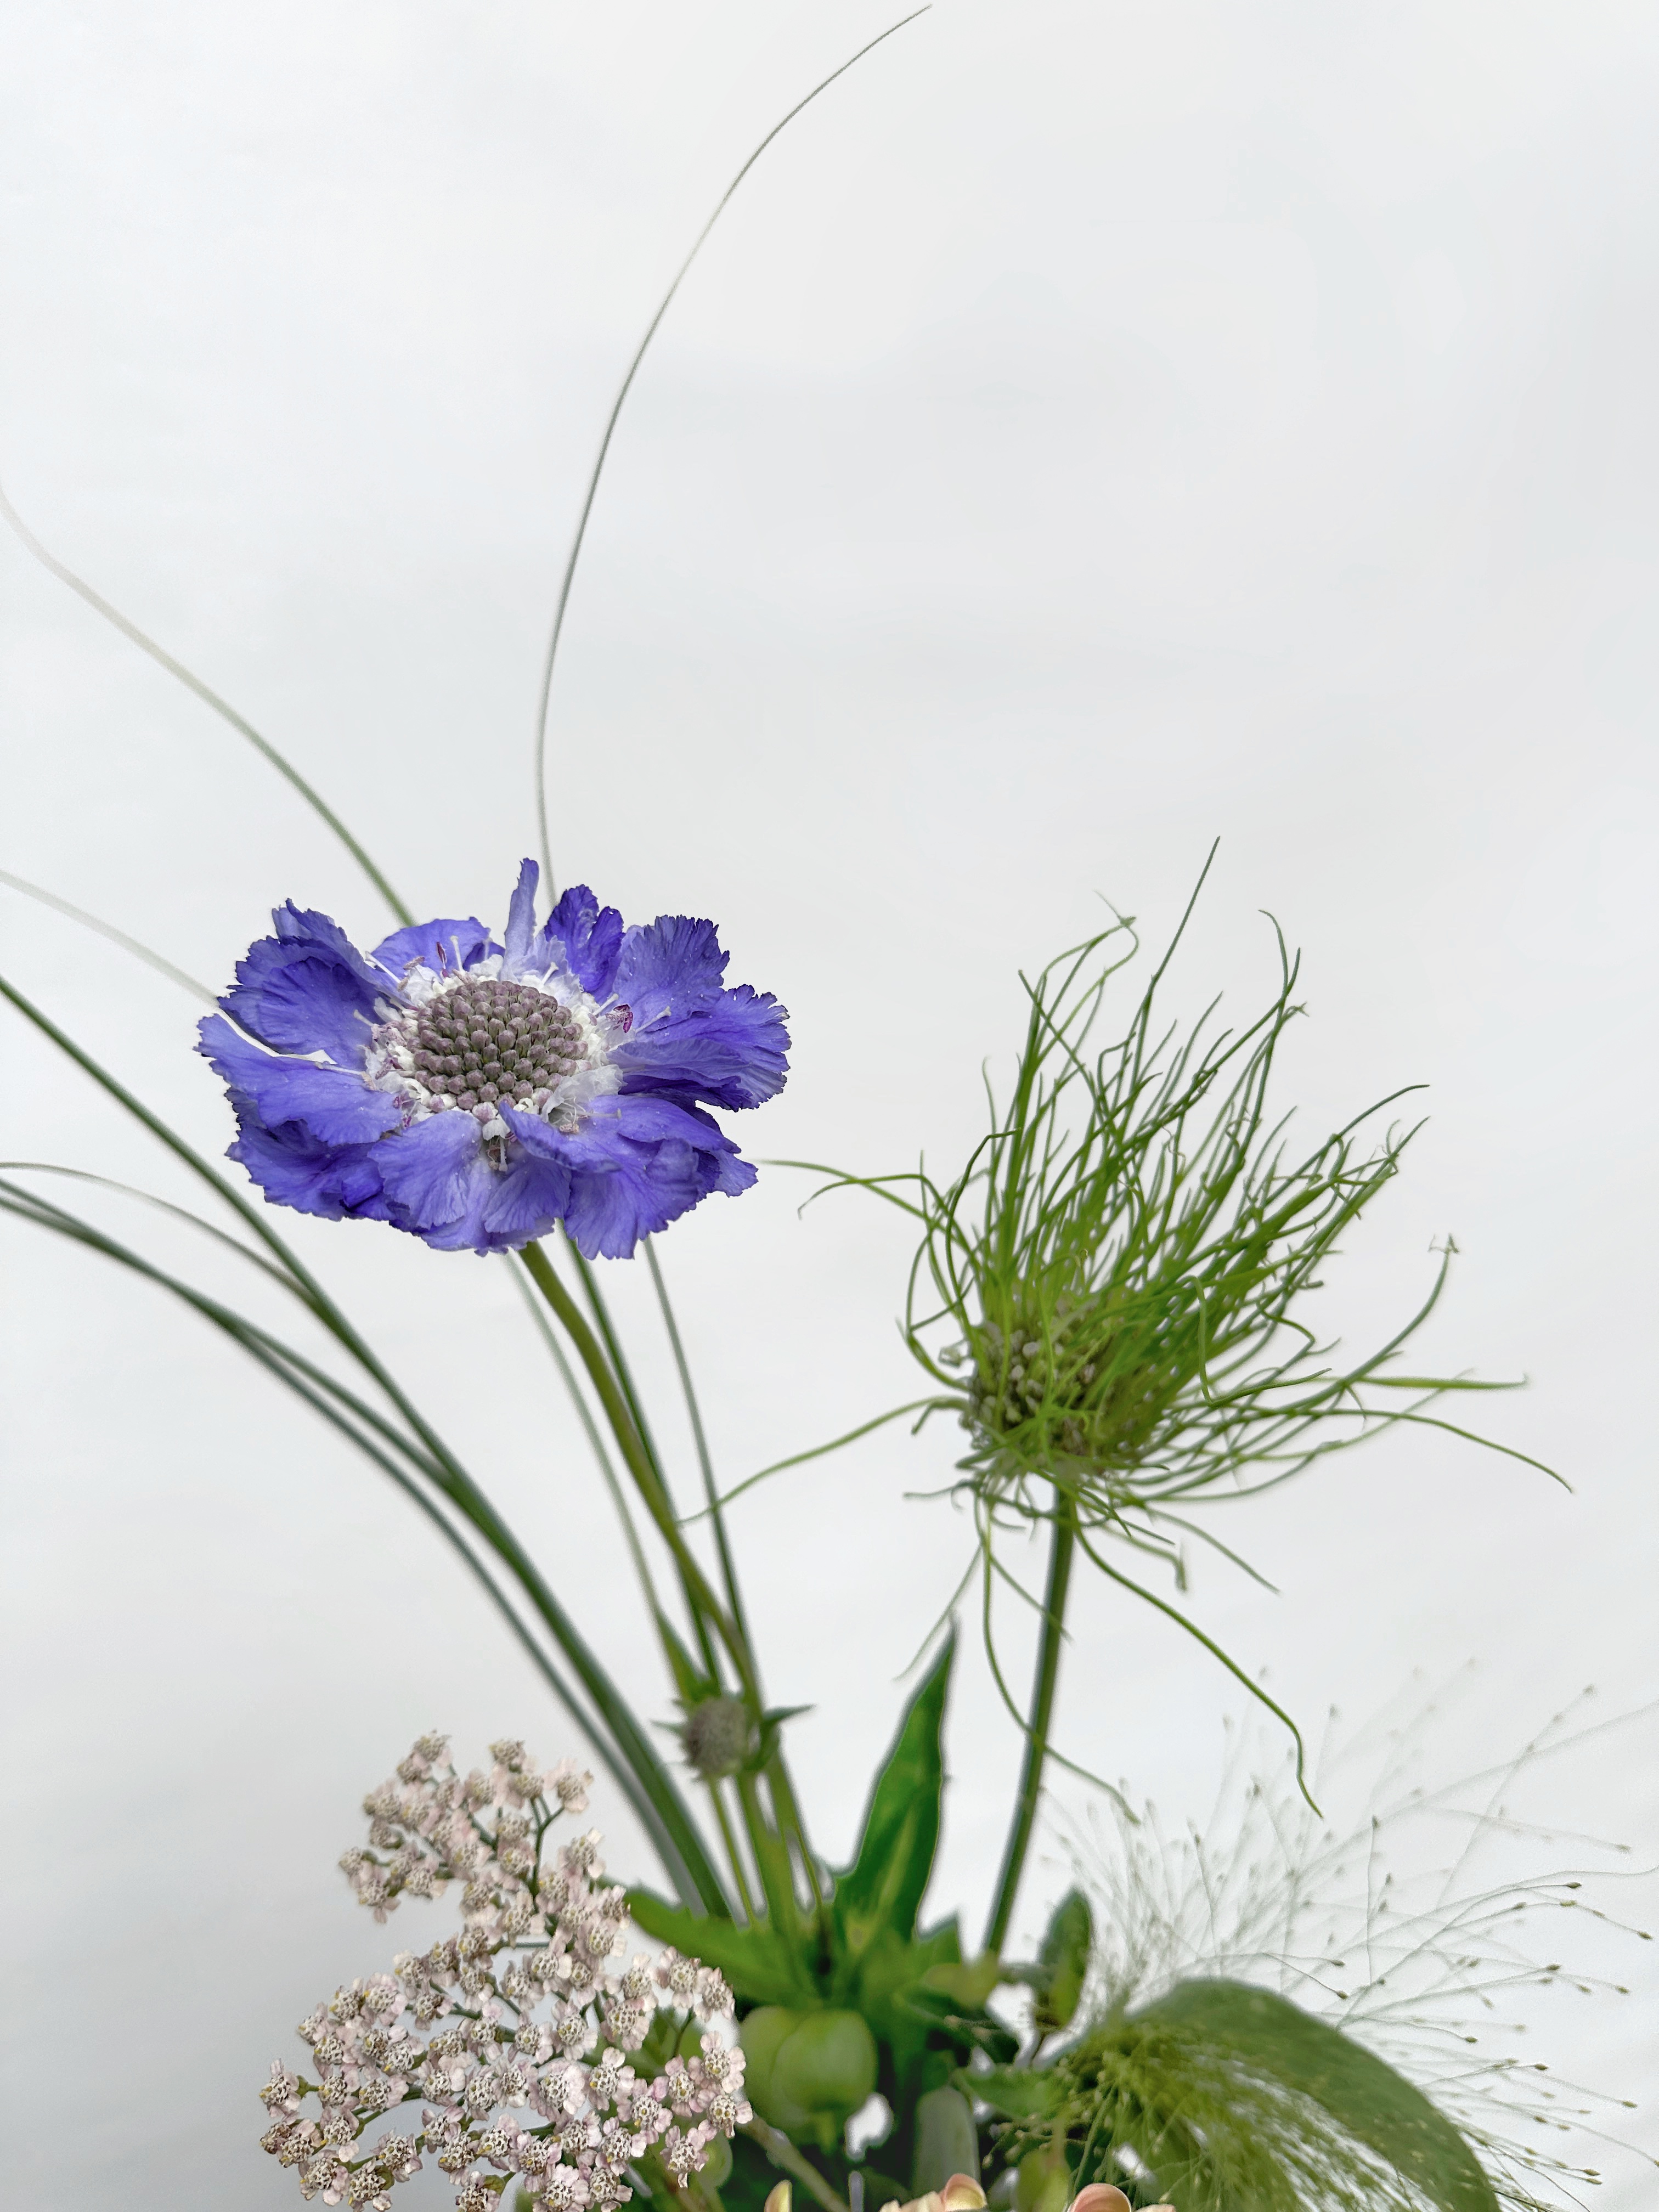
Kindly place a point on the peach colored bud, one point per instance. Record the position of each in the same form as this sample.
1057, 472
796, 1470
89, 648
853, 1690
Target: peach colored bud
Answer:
779, 2199
961, 2193
1101, 2197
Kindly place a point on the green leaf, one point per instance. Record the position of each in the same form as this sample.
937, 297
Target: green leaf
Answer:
1022, 2092
762, 1965
883, 1888
1063, 1962
692, 1683
771, 1728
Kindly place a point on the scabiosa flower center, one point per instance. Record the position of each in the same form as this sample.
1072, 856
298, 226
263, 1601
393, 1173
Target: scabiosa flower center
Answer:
482, 1041
488, 1040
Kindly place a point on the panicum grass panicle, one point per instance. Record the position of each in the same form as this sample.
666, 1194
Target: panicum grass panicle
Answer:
1420, 1966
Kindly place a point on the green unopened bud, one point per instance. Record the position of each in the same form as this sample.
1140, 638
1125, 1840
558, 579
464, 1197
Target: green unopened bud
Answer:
808, 2073
717, 1737
1045, 2181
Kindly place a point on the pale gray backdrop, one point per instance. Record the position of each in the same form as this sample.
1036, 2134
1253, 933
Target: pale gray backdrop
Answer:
1093, 430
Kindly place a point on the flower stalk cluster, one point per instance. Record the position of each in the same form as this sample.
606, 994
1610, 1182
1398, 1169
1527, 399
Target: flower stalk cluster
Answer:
530, 2052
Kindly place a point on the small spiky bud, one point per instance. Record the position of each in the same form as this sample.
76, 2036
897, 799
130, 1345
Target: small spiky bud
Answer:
717, 1737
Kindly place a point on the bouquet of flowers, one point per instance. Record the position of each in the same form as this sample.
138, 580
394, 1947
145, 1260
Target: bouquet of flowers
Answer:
1106, 1309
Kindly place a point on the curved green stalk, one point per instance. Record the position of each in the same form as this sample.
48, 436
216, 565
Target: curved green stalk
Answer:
627, 386
1062, 1545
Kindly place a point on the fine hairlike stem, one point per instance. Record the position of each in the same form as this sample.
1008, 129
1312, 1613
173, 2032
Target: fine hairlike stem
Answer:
574, 554
1062, 1545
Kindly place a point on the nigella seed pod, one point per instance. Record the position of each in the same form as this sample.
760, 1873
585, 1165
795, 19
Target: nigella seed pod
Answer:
1125, 1262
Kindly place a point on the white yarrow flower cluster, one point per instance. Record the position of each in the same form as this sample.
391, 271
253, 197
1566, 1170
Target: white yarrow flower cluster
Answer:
522, 2038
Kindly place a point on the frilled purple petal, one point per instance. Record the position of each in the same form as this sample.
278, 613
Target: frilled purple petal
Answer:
528, 951
329, 1105
434, 1175
733, 1053
441, 944
307, 989
590, 937
635, 1164
530, 1194
440, 1186
293, 1170
671, 965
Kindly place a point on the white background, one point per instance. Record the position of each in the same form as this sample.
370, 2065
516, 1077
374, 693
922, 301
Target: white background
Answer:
1093, 430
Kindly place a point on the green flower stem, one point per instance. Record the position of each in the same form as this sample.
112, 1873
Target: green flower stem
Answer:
642, 1568
791, 1823
620, 1369
785, 1803
638, 1460
746, 1895
771, 1858
694, 1414
1062, 1546
784, 2155
771, 1839
596, 1443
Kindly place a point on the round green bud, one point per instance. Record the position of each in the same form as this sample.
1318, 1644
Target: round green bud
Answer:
807, 2073
828, 2063
764, 2033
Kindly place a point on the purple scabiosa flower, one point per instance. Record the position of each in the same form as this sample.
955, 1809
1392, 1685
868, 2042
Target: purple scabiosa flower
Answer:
475, 1093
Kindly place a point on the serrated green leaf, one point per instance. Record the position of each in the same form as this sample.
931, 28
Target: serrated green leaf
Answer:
883, 1888
762, 1965
1365, 2097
